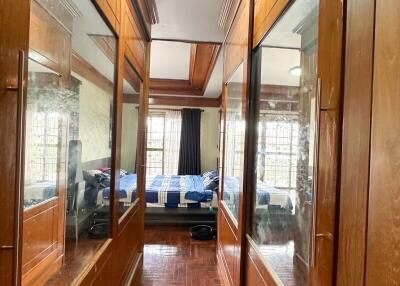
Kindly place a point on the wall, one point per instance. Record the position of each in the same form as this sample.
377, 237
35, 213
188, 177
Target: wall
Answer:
208, 136
209, 139
94, 120
129, 136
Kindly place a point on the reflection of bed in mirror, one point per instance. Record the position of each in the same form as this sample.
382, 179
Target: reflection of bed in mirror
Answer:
169, 199
273, 207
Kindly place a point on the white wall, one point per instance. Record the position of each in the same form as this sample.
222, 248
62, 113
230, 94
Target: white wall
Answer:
209, 139
94, 120
129, 136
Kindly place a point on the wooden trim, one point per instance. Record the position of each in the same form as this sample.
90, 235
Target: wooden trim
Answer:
356, 142
130, 211
203, 58
265, 270
266, 14
222, 268
135, 275
186, 41
91, 268
383, 231
80, 66
216, 52
184, 101
160, 86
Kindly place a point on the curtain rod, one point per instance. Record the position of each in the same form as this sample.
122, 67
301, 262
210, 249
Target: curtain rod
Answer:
169, 109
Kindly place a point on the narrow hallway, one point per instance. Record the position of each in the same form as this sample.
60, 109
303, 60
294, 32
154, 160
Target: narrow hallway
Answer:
172, 258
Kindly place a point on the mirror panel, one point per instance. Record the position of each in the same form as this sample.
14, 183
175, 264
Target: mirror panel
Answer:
127, 191
234, 141
68, 140
286, 89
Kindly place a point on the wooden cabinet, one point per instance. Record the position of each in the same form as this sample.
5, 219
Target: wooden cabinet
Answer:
13, 40
369, 204
317, 108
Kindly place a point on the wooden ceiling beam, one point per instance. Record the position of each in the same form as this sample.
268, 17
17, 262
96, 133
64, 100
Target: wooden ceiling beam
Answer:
202, 62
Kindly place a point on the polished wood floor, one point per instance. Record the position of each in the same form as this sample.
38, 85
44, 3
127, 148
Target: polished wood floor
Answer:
172, 258
77, 256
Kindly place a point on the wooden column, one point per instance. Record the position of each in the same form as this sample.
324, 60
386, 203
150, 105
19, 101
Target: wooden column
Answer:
355, 142
14, 37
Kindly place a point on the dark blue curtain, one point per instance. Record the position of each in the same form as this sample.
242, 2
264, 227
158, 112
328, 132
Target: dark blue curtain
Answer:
189, 153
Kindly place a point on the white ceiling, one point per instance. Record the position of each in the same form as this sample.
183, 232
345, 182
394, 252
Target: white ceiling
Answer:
169, 60
214, 87
191, 20
276, 65
282, 34
90, 22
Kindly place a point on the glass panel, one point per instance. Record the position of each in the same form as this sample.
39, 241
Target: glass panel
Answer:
282, 212
68, 134
234, 141
128, 176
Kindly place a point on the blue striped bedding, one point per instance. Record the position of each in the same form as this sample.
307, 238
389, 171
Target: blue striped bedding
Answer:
175, 190
171, 191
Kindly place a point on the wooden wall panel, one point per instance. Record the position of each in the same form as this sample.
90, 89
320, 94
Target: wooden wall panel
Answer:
227, 247
330, 32
356, 142
134, 37
266, 12
231, 231
383, 254
236, 44
127, 244
112, 11
13, 38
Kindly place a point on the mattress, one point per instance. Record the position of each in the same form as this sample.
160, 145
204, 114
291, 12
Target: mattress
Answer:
163, 191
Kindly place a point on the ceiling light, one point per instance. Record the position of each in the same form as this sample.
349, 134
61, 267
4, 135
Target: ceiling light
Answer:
295, 71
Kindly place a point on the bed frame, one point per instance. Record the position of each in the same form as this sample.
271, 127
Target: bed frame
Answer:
180, 216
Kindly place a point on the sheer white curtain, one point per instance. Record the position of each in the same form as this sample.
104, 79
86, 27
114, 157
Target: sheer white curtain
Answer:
173, 122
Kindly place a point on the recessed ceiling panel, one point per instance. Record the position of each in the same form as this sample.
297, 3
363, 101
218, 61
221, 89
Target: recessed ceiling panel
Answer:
170, 60
194, 20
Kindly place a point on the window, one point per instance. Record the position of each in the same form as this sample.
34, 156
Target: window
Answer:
45, 136
155, 144
277, 150
163, 142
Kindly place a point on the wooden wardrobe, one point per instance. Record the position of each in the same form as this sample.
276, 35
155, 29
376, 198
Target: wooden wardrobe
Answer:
240, 260
369, 230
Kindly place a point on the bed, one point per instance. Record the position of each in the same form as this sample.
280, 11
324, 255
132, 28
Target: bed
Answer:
187, 199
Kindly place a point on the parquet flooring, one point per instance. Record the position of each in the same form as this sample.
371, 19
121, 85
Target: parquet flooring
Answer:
172, 258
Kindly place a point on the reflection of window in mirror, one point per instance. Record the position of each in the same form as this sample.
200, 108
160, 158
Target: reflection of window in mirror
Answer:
127, 191
286, 91
234, 140
70, 93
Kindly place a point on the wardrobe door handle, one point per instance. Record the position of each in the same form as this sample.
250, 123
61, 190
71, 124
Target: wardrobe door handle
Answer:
315, 174
6, 247
19, 162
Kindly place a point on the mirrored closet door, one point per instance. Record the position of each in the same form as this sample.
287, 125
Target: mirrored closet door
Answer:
283, 196
68, 140
127, 192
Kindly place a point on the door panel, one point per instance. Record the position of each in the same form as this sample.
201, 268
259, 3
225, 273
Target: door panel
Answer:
13, 38
382, 265
297, 96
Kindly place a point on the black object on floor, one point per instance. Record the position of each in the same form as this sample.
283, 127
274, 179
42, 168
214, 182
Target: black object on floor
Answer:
202, 232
